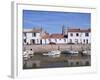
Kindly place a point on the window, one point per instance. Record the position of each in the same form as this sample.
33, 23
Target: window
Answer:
77, 34
71, 34
84, 40
34, 34
86, 34
65, 36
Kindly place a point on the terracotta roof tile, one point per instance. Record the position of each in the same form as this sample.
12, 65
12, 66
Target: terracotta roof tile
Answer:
53, 36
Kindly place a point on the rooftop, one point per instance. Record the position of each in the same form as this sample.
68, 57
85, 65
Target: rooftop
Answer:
53, 36
79, 30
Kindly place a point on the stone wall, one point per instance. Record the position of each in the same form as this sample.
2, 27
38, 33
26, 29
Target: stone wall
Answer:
46, 48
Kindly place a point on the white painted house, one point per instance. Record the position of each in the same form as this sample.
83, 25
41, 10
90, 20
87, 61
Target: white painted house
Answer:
32, 36
79, 36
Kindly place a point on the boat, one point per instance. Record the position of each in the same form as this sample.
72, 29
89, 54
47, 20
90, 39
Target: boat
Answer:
87, 52
28, 54
73, 52
53, 53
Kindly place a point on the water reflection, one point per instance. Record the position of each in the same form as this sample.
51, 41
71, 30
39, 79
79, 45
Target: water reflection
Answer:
66, 59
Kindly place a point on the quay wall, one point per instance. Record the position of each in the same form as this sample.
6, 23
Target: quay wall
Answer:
65, 47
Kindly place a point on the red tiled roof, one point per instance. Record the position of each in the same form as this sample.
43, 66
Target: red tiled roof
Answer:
57, 36
79, 30
45, 36
53, 36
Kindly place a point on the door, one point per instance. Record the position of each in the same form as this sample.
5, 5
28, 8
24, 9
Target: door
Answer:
40, 41
32, 41
87, 41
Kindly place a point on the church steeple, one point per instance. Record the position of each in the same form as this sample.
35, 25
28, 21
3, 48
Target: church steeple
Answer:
63, 26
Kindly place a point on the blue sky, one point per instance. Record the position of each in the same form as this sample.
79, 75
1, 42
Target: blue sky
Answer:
52, 22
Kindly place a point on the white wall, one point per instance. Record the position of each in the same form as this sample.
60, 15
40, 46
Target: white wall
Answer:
29, 37
80, 38
5, 42
73, 37
86, 37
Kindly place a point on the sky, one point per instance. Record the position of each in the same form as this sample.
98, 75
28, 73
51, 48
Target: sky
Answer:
52, 21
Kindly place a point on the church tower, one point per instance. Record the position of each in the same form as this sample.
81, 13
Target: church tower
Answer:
64, 30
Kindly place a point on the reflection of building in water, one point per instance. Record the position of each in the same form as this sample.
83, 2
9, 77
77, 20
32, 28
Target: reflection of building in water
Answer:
79, 62
31, 64
68, 35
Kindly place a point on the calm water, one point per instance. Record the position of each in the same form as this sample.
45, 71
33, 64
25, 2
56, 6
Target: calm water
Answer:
62, 61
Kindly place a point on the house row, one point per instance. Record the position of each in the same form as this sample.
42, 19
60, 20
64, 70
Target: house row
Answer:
39, 36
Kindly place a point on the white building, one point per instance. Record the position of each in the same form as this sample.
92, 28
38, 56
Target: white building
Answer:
32, 36
79, 36
39, 36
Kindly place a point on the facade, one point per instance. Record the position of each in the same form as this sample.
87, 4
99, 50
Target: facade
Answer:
39, 36
32, 36
79, 36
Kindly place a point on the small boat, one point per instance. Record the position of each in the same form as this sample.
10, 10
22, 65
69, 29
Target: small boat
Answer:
87, 52
28, 54
53, 53
73, 52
